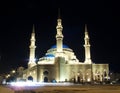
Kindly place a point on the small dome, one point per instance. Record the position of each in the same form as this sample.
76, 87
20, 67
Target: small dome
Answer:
49, 55
64, 46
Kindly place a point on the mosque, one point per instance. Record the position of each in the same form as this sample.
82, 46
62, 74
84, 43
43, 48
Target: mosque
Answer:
60, 63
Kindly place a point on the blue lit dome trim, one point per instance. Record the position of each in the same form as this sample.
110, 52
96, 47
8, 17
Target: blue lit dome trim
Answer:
64, 46
49, 55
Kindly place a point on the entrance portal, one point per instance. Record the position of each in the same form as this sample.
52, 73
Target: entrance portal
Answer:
45, 79
30, 78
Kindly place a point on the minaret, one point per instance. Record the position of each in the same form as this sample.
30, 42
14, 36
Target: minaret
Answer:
87, 47
59, 36
32, 47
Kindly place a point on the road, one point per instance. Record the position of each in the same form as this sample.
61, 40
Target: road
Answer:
62, 89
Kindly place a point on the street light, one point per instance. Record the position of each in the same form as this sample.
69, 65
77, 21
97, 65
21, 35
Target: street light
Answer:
13, 71
7, 75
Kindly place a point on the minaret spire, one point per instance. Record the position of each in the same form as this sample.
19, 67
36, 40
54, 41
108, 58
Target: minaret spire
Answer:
33, 30
59, 35
32, 47
58, 13
87, 47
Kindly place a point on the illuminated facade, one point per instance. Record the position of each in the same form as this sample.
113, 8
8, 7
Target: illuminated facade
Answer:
60, 63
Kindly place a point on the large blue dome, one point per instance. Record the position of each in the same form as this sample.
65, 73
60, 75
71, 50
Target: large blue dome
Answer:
64, 46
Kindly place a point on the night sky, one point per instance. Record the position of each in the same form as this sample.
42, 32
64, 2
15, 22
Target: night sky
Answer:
17, 18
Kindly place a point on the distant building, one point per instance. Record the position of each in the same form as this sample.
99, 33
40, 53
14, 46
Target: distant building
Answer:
115, 77
19, 73
1, 79
60, 63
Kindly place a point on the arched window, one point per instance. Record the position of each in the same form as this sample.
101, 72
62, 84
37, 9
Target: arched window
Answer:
105, 73
45, 73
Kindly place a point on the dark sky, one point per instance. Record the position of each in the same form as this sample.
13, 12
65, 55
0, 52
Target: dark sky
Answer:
17, 18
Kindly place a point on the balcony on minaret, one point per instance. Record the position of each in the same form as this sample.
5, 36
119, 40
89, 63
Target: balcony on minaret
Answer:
33, 38
32, 46
59, 22
59, 30
59, 36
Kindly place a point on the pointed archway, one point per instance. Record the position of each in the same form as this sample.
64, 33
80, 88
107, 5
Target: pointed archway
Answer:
45, 79
30, 78
78, 79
